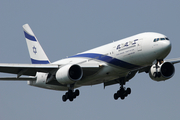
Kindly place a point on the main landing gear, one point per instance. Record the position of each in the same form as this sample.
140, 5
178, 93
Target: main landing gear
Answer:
122, 92
71, 95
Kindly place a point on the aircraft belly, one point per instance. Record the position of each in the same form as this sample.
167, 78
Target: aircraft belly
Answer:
107, 73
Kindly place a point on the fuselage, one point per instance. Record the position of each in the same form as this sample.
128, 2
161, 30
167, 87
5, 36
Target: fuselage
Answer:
118, 59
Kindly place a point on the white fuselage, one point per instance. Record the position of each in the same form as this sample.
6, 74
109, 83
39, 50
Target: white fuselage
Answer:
117, 58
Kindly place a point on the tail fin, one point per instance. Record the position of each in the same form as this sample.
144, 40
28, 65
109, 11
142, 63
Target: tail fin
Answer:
37, 54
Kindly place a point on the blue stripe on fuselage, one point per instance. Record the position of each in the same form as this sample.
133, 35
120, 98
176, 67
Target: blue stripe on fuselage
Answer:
108, 59
39, 61
30, 37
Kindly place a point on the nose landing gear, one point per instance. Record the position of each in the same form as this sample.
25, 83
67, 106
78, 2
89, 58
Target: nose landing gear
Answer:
158, 74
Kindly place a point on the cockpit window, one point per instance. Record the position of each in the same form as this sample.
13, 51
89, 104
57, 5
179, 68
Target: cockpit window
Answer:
158, 39
167, 38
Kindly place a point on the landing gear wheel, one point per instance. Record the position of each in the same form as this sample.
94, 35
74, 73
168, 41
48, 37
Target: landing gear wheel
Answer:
70, 95
77, 92
66, 94
128, 90
157, 74
71, 99
116, 96
122, 97
73, 95
122, 92
64, 98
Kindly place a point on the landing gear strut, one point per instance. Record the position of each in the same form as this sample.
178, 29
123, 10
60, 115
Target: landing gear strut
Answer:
122, 92
71, 95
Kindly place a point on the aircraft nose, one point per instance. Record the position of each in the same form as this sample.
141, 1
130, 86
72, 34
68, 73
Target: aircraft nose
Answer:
164, 49
166, 45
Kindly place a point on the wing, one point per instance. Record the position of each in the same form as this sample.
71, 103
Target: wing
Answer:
174, 60
27, 69
32, 69
18, 79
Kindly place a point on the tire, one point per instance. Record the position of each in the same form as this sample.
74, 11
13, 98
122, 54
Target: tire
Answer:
119, 93
125, 94
64, 98
77, 92
122, 97
128, 90
159, 74
71, 99
67, 95
115, 96
155, 74
73, 95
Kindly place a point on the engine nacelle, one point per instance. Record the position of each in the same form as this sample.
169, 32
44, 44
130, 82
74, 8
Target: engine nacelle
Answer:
69, 74
163, 72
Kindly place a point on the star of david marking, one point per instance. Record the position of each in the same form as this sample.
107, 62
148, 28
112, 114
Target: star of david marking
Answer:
34, 50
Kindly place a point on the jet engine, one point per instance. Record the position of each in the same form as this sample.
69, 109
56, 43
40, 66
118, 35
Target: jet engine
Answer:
162, 72
69, 74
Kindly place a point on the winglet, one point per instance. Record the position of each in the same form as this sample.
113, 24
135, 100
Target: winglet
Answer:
37, 54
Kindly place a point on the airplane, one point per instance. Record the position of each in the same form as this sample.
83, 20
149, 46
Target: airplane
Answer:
113, 63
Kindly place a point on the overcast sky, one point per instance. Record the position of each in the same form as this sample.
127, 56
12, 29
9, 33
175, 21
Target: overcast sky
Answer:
66, 27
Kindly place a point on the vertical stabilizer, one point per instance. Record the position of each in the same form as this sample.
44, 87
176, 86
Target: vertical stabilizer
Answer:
37, 54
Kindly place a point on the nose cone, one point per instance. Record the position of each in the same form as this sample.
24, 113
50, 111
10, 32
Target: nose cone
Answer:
164, 49
166, 45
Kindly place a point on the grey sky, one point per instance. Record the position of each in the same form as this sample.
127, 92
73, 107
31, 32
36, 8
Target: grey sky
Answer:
65, 28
